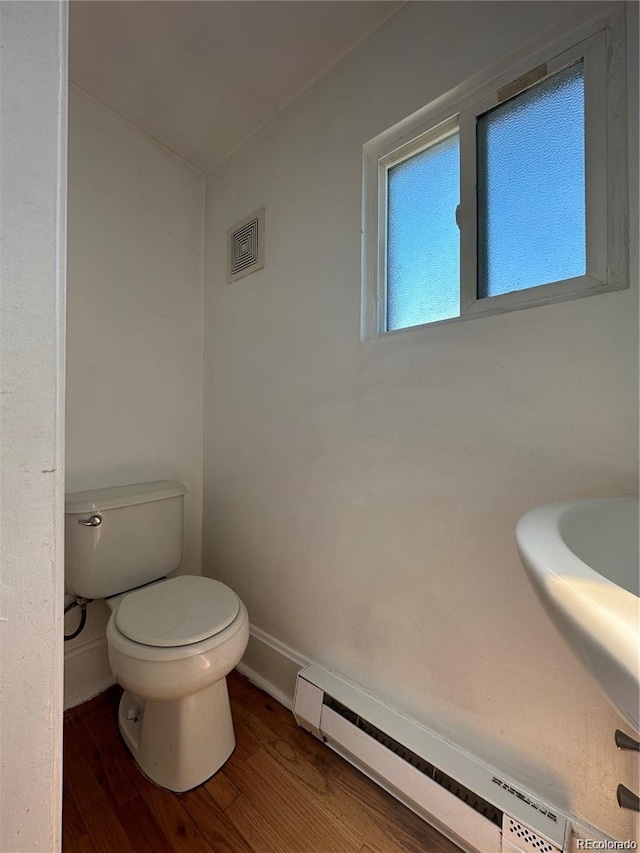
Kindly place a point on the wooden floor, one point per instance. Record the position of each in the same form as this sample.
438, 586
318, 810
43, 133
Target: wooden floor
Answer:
281, 791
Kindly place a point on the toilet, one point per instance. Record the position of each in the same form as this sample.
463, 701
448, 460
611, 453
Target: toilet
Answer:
171, 641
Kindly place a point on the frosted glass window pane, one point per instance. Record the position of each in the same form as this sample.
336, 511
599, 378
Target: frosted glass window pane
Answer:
423, 242
531, 187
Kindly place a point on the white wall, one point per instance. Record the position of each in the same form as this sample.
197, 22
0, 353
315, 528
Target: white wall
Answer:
134, 336
362, 497
33, 67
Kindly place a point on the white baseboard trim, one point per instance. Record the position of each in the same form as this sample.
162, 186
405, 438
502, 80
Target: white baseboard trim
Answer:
86, 672
281, 648
265, 685
272, 666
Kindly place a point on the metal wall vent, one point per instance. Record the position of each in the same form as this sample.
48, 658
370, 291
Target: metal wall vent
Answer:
245, 246
525, 839
476, 802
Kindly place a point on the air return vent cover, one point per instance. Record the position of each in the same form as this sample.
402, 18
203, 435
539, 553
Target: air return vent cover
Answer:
245, 246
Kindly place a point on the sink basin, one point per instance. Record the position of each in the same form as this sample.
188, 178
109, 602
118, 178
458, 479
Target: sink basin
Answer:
582, 560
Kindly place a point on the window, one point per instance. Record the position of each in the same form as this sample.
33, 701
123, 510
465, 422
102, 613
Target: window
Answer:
510, 195
531, 186
423, 243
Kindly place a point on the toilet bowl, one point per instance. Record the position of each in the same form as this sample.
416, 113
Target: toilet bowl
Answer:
174, 714
171, 641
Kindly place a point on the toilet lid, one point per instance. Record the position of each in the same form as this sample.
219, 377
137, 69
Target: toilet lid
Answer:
177, 612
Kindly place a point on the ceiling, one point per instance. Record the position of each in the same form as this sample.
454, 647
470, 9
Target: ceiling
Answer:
200, 77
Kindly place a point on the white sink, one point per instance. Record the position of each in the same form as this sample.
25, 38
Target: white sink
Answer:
582, 560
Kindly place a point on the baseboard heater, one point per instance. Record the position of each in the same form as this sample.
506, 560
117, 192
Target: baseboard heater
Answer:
465, 800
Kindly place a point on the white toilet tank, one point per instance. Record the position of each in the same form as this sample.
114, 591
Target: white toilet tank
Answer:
120, 538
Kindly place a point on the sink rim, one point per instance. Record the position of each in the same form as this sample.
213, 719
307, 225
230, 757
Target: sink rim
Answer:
598, 618
528, 528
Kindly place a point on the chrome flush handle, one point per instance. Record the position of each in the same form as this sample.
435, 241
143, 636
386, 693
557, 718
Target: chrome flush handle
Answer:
94, 521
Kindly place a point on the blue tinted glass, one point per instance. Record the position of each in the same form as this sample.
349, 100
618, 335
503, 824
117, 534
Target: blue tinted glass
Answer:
423, 243
531, 188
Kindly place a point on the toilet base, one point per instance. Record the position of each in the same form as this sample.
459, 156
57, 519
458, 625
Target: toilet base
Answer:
179, 743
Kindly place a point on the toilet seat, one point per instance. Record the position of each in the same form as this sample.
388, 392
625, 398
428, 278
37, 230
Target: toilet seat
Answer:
118, 644
178, 612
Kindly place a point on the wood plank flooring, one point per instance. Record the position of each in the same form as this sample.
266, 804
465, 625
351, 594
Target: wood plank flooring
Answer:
280, 792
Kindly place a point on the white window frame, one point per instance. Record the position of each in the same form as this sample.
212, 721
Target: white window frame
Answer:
600, 43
